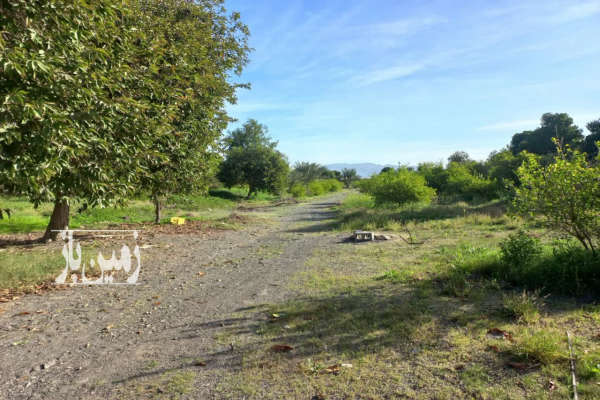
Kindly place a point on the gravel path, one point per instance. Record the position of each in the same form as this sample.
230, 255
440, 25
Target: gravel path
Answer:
115, 341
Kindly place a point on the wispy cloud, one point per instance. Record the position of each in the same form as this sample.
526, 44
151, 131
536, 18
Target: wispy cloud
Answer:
387, 74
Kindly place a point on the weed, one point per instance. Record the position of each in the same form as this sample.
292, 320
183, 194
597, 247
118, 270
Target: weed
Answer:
523, 306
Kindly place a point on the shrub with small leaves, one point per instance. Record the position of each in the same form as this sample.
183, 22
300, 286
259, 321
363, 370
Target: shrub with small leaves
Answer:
519, 250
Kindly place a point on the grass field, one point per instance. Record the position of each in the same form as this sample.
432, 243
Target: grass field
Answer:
218, 204
390, 320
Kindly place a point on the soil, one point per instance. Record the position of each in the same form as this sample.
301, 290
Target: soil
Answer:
107, 341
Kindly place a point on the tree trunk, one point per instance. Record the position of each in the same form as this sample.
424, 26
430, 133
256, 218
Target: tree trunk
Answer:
157, 209
59, 219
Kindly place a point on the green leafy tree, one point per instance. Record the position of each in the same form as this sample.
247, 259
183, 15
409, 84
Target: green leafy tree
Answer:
349, 175
71, 125
464, 183
459, 157
189, 51
564, 194
539, 141
435, 175
400, 186
305, 172
252, 133
502, 168
589, 144
254, 163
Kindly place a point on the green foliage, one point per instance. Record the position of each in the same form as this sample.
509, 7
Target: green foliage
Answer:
520, 250
524, 306
466, 185
540, 346
503, 167
305, 172
316, 188
540, 140
349, 175
298, 190
400, 186
565, 195
435, 175
331, 185
109, 97
253, 161
590, 143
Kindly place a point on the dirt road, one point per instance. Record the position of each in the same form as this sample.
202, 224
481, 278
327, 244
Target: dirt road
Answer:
155, 339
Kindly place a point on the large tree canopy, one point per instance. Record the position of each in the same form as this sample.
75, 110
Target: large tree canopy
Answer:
539, 141
589, 144
106, 97
189, 50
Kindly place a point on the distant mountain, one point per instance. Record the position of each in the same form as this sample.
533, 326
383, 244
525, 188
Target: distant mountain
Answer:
363, 169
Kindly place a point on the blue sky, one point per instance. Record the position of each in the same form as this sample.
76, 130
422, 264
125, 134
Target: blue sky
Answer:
410, 81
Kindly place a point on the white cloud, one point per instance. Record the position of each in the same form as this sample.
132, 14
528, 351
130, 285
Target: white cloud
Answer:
387, 74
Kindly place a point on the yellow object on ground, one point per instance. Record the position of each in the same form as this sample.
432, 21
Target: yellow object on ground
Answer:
178, 221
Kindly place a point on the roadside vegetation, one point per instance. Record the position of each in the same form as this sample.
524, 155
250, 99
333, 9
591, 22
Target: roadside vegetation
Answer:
472, 299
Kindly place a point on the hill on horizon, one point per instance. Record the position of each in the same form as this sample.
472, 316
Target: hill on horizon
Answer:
365, 170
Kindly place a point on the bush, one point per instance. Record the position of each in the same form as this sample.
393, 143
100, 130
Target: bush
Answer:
332, 185
520, 250
316, 188
298, 190
565, 194
400, 186
463, 183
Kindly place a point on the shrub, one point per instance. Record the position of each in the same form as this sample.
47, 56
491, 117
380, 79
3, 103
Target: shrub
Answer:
565, 194
541, 346
463, 183
316, 188
400, 186
298, 190
519, 250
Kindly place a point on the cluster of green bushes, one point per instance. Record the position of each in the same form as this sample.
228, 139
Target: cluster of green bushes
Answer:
521, 260
397, 186
316, 187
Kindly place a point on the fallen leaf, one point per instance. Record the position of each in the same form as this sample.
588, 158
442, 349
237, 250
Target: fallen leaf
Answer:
496, 333
22, 313
332, 369
157, 303
200, 273
281, 348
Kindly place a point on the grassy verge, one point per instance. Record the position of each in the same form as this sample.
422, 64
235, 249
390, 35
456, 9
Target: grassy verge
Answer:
391, 320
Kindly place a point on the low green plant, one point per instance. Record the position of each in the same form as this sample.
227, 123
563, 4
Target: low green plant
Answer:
298, 190
315, 188
540, 346
520, 250
523, 306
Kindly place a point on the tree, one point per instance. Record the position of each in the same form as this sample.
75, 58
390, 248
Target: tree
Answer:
539, 141
349, 175
502, 167
305, 172
71, 125
254, 163
459, 157
190, 51
400, 186
435, 175
565, 194
589, 144
252, 133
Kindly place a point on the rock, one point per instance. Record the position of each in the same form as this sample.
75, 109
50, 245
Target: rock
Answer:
48, 364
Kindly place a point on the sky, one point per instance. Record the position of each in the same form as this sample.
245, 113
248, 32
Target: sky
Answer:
401, 81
